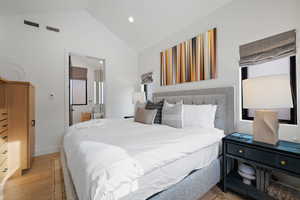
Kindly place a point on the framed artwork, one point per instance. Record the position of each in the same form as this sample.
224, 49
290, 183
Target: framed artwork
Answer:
190, 61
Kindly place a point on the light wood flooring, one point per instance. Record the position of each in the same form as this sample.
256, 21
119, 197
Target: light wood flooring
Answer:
44, 182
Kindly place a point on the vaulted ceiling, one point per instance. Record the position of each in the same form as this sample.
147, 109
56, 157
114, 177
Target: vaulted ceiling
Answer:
154, 19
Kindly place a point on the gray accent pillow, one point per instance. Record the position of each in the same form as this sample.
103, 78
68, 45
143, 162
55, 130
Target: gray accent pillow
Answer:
145, 116
172, 115
158, 106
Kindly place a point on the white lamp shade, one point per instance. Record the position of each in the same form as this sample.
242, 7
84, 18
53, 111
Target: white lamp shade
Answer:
267, 92
138, 97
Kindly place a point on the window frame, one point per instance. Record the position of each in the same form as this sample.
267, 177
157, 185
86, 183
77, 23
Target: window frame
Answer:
293, 111
144, 88
86, 94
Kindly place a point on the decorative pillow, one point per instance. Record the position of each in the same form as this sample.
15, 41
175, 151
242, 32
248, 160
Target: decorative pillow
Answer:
202, 116
157, 106
172, 115
144, 116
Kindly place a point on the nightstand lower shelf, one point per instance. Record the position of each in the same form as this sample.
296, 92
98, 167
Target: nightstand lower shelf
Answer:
234, 183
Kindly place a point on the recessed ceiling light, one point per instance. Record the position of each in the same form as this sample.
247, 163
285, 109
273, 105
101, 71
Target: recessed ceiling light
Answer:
101, 62
131, 19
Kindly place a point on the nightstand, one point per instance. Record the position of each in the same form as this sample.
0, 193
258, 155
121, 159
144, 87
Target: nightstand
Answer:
265, 158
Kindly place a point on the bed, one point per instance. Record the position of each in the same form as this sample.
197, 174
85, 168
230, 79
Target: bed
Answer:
120, 159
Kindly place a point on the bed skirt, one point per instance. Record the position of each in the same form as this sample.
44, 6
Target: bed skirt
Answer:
192, 187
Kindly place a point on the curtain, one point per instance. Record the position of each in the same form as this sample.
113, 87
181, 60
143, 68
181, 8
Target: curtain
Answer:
268, 49
99, 75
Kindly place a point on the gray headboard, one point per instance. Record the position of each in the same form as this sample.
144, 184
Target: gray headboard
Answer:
222, 97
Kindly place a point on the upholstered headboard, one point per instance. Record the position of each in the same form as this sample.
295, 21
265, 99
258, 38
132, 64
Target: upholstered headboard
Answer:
222, 97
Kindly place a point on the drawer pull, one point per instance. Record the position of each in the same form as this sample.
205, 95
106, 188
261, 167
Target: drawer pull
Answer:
4, 113
241, 151
283, 163
4, 126
4, 152
4, 170
4, 137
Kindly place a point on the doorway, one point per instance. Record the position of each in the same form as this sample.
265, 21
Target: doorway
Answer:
86, 88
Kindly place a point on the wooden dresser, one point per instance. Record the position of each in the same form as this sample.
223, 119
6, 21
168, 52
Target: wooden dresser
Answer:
21, 134
17, 127
3, 131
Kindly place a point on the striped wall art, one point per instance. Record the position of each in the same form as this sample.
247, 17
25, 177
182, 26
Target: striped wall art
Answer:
189, 61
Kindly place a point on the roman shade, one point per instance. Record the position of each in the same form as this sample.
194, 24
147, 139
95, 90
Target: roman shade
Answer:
268, 49
147, 78
78, 73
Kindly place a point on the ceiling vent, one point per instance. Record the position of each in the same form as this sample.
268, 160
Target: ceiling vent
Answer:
30, 23
49, 28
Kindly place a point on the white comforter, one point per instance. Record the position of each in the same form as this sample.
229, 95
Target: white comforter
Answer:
106, 157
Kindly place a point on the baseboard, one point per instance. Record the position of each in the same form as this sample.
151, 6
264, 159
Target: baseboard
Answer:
48, 150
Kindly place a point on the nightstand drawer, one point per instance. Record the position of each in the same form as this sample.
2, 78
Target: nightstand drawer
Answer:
236, 150
256, 155
288, 163
260, 156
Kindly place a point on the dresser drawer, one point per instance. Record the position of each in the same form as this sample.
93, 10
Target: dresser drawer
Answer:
3, 137
3, 157
3, 169
3, 114
288, 163
3, 150
3, 125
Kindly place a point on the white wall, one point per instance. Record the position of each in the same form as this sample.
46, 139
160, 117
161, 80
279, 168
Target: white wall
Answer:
237, 23
43, 56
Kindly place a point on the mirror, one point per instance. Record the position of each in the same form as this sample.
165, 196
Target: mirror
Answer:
86, 91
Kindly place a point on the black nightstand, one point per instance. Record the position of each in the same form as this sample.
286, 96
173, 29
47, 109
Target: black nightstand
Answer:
265, 158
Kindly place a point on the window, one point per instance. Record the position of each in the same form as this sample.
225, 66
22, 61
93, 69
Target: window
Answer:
78, 89
285, 65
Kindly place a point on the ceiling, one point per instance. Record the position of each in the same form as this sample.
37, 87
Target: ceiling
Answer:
154, 19
11, 7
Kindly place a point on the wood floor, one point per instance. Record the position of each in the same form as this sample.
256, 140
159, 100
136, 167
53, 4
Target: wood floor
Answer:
44, 182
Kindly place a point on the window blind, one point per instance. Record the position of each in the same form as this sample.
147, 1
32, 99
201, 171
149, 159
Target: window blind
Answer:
78, 73
268, 49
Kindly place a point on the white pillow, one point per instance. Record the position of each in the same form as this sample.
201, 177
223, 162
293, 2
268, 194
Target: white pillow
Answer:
172, 115
202, 116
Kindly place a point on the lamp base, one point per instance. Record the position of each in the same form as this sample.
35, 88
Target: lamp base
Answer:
265, 127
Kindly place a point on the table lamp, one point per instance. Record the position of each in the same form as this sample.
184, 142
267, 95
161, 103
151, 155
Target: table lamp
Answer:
138, 97
264, 94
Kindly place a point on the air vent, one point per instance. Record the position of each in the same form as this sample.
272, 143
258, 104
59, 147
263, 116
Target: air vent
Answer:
49, 28
30, 23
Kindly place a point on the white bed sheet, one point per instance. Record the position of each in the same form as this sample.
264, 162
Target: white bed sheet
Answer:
165, 154
170, 174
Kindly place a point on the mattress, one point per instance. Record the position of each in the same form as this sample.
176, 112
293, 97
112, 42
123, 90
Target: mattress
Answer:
165, 155
170, 174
